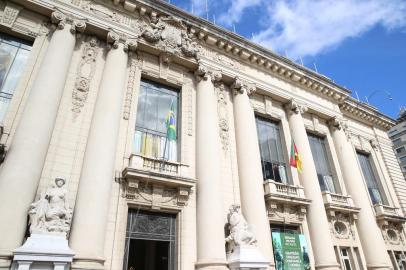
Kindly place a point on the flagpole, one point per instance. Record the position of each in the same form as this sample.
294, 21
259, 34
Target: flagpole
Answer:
166, 141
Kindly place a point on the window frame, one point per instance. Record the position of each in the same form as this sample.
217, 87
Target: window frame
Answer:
283, 153
382, 192
329, 161
168, 87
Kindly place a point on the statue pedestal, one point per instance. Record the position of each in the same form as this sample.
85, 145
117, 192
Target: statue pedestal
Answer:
247, 258
43, 251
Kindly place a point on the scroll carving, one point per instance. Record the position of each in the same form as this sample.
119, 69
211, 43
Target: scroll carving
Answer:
85, 73
61, 19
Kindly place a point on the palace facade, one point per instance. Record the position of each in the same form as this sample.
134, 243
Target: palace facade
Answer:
89, 92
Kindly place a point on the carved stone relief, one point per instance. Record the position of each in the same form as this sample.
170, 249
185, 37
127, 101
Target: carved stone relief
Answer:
156, 195
286, 213
392, 233
85, 73
222, 96
10, 14
341, 225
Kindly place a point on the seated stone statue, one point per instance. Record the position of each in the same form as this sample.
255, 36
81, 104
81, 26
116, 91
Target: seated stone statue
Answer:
240, 233
51, 213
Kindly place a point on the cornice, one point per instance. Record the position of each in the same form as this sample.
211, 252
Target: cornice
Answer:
211, 36
367, 113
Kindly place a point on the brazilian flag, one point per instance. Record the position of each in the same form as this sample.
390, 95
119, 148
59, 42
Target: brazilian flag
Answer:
171, 124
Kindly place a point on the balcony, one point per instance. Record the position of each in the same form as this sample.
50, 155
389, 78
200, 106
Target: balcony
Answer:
157, 183
285, 203
334, 202
385, 214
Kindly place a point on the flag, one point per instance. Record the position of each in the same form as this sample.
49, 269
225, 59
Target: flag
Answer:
295, 159
170, 124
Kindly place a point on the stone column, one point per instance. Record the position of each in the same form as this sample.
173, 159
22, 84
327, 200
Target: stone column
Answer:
210, 213
373, 245
92, 201
319, 228
249, 168
25, 159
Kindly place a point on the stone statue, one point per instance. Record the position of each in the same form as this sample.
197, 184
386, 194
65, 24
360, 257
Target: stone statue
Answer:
189, 47
240, 233
154, 30
51, 213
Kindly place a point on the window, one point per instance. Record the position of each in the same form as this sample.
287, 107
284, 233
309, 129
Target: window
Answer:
404, 168
151, 138
375, 191
323, 169
402, 159
13, 58
400, 150
273, 163
397, 141
345, 258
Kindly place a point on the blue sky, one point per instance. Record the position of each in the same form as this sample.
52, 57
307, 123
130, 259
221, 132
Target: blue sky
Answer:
360, 44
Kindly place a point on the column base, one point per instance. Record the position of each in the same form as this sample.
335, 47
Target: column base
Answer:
211, 264
87, 263
332, 266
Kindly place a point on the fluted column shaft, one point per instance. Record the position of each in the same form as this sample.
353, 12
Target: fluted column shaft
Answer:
92, 201
370, 235
250, 172
210, 216
25, 159
322, 244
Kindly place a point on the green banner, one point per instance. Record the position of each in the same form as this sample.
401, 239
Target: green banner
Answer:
290, 251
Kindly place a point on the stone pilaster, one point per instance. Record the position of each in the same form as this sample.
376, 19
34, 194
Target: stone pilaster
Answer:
370, 235
322, 244
210, 213
23, 165
249, 167
92, 203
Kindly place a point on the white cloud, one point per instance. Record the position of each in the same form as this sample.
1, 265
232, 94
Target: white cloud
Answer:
309, 27
236, 10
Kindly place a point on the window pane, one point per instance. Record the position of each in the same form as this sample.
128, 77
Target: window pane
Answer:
150, 138
321, 161
374, 189
269, 140
13, 58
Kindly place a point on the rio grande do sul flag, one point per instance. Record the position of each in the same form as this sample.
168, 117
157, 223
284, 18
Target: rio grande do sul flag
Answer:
295, 159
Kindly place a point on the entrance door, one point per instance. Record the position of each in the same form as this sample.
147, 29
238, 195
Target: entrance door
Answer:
150, 241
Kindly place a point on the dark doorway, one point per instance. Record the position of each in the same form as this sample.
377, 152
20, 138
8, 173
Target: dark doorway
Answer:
150, 241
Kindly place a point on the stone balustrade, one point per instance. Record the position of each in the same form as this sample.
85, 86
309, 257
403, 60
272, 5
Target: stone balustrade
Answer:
334, 202
284, 192
151, 164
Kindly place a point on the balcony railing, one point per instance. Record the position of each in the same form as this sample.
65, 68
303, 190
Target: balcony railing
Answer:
334, 198
282, 191
161, 166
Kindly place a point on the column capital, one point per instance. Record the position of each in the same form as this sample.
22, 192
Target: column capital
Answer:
204, 72
240, 87
61, 19
337, 123
296, 107
114, 39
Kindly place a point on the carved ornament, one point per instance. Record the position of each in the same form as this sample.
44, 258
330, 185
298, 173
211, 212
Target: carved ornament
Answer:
134, 63
10, 14
156, 196
222, 96
296, 107
239, 87
289, 214
61, 19
85, 73
204, 73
